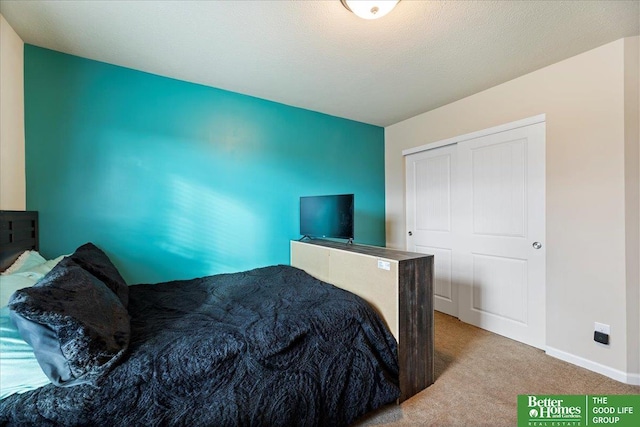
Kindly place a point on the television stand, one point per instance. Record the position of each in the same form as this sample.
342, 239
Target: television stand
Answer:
397, 284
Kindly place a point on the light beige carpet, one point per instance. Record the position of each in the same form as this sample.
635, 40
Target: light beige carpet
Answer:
479, 376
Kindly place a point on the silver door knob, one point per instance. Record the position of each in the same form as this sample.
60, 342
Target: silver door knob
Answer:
537, 245
411, 233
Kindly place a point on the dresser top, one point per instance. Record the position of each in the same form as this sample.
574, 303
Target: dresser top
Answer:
376, 251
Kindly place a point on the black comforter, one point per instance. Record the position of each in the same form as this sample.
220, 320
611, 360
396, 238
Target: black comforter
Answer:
267, 347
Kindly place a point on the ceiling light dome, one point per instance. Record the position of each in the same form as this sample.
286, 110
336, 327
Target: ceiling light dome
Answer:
370, 9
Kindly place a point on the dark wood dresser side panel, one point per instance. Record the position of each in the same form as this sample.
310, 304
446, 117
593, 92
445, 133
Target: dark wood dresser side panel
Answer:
416, 344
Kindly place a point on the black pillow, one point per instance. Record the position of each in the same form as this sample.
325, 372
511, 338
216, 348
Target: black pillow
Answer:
77, 326
96, 262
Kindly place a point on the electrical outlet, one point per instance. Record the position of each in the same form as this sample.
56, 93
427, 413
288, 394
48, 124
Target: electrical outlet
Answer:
602, 328
601, 333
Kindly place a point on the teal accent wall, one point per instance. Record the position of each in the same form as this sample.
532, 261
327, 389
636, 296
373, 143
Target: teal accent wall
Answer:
176, 180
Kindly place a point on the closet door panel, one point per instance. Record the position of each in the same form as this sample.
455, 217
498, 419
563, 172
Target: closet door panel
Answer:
502, 287
430, 180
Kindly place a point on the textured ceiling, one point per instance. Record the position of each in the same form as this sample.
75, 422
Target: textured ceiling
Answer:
317, 55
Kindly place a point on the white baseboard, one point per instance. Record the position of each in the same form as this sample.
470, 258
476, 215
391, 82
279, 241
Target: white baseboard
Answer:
623, 377
633, 379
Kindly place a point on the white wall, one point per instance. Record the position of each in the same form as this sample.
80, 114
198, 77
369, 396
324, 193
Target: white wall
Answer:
12, 159
632, 203
583, 98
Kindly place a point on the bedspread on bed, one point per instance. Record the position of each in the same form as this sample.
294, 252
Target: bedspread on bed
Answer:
268, 347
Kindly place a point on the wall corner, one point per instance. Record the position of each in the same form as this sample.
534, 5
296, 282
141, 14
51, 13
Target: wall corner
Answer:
632, 200
12, 134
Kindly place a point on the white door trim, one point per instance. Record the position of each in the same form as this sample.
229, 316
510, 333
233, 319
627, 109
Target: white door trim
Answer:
484, 132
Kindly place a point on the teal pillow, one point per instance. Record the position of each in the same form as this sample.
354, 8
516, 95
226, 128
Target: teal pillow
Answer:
12, 282
30, 269
25, 262
19, 368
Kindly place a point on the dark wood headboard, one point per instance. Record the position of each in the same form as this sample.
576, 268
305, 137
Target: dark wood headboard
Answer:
18, 233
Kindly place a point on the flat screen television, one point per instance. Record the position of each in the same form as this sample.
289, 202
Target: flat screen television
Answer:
327, 216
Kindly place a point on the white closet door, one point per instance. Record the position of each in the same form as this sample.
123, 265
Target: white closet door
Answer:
501, 181
430, 204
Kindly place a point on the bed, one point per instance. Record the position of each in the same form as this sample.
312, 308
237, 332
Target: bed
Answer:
271, 346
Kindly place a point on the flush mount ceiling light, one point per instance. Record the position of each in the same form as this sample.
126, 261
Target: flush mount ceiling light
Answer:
370, 9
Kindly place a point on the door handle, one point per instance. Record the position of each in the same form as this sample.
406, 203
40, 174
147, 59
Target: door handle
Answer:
411, 233
537, 245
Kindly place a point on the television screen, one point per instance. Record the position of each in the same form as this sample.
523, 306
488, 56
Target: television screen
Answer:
327, 216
